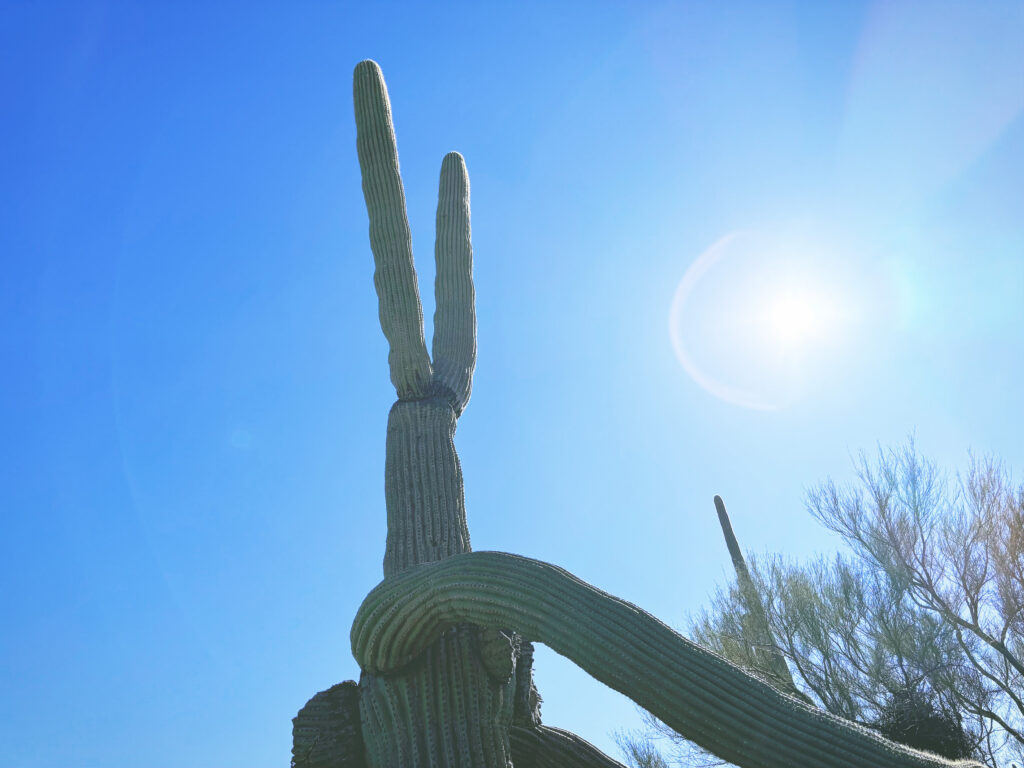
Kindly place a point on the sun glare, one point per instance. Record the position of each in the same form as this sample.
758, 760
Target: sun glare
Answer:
793, 319
760, 319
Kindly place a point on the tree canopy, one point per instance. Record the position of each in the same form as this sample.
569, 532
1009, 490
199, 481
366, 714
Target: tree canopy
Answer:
916, 631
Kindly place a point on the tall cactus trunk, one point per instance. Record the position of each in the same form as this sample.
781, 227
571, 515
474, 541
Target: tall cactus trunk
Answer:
450, 709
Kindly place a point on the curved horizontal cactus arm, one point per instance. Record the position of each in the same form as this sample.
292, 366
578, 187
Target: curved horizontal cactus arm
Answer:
544, 747
702, 696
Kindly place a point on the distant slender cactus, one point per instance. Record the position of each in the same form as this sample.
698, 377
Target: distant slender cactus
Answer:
757, 618
436, 690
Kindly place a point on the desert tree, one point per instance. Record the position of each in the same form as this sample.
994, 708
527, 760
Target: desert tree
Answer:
954, 545
916, 632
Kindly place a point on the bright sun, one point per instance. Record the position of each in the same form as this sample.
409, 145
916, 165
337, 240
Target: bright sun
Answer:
761, 318
794, 319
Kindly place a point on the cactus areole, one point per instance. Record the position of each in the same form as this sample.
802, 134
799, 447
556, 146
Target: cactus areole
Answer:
444, 641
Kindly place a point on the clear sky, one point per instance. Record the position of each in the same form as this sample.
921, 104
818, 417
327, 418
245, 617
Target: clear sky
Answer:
719, 249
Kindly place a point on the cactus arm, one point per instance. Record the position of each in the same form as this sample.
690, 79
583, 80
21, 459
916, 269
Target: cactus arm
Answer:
545, 747
401, 316
454, 346
697, 693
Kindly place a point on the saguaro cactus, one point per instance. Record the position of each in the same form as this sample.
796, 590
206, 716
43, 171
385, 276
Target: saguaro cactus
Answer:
445, 681
452, 708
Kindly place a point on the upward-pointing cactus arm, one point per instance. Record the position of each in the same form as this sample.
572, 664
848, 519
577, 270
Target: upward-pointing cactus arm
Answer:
454, 346
401, 316
703, 697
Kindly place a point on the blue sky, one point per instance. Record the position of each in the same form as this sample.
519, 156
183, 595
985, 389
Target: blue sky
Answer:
196, 388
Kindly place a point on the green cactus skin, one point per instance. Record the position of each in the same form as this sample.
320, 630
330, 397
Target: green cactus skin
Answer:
401, 316
327, 734
327, 731
543, 747
699, 694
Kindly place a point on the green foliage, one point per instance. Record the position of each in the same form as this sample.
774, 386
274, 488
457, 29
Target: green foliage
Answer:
856, 642
955, 547
852, 637
640, 752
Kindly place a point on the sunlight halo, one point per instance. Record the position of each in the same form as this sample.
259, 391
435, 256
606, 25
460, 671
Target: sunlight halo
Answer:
756, 315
